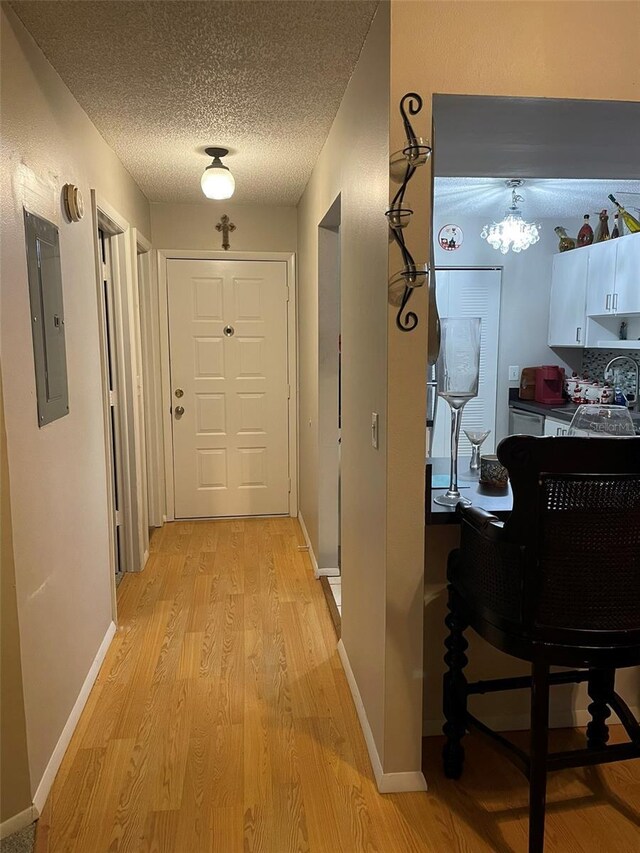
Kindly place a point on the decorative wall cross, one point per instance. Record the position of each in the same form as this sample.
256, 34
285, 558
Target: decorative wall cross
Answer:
226, 227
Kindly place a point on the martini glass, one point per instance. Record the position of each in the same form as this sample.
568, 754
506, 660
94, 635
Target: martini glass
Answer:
476, 437
458, 372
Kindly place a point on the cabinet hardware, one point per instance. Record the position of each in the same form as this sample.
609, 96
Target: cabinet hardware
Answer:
606, 307
578, 333
615, 301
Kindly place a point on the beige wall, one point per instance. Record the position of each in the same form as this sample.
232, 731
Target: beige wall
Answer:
193, 226
57, 474
15, 790
353, 164
526, 49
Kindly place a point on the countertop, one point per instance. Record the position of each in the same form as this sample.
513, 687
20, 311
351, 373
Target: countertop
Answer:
560, 411
497, 501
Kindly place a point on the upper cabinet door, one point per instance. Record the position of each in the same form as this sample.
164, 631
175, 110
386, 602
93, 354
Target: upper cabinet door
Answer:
601, 277
568, 291
626, 298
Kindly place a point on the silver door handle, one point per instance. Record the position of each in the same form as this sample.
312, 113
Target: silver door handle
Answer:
578, 331
615, 301
606, 306
179, 410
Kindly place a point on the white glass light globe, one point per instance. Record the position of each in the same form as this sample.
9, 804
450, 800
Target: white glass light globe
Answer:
217, 182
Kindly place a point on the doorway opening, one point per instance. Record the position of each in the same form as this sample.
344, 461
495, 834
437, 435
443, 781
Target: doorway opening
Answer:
122, 389
329, 399
114, 434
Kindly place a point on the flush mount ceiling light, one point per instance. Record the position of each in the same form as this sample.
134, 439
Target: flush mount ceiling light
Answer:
512, 232
217, 182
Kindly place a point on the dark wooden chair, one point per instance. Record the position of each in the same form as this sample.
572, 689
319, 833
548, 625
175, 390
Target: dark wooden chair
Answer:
557, 584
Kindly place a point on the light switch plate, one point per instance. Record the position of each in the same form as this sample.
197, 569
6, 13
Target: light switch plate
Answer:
374, 430
514, 373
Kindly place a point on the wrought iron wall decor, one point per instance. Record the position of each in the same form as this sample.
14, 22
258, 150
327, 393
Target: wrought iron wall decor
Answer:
414, 154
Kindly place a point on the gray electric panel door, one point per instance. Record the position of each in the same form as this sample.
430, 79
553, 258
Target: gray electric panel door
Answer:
47, 318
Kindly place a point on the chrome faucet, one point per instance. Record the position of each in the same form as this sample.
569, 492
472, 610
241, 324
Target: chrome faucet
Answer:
637, 369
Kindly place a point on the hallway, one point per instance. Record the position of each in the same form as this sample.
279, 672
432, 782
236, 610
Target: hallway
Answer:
222, 721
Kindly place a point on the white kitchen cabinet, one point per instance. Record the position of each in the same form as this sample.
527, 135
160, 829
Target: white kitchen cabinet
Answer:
568, 295
613, 277
554, 426
626, 298
601, 275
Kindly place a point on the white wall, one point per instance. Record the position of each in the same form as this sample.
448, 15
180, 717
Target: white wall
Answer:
354, 165
57, 474
263, 228
525, 293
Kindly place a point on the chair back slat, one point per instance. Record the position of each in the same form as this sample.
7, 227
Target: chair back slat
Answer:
576, 511
589, 552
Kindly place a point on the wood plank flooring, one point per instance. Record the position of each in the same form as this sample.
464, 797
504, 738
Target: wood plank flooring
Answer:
222, 721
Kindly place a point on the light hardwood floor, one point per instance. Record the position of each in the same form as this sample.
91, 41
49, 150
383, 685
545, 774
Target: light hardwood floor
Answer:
222, 721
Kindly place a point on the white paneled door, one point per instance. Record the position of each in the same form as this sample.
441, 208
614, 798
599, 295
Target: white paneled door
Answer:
229, 387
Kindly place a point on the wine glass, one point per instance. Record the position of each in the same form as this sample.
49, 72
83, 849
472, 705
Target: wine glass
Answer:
476, 437
593, 420
458, 372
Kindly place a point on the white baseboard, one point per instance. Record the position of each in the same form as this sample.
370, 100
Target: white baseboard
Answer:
388, 783
565, 719
328, 573
42, 791
18, 822
312, 556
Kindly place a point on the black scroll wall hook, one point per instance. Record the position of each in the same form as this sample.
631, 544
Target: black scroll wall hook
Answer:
416, 153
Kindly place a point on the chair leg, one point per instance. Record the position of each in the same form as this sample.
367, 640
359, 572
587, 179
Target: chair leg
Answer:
539, 749
454, 694
601, 686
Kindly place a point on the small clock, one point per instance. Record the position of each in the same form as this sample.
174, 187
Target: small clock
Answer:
450, 237
73, 203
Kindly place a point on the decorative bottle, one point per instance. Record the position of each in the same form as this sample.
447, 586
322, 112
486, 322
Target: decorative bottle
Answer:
566, 243
585, 234
630, 221
615, 231
602, 231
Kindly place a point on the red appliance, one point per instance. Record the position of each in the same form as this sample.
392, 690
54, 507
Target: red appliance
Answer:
549, 384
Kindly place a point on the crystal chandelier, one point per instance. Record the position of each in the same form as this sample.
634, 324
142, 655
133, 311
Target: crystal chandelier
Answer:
512, 232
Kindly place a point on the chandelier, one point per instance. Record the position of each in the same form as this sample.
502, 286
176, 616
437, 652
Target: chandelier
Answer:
512, 232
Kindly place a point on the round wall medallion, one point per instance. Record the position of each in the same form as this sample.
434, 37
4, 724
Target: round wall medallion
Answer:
450, 237
73, 203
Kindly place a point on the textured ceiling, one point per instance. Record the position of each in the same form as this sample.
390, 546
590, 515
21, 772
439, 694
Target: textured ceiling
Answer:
543, 198
163, 80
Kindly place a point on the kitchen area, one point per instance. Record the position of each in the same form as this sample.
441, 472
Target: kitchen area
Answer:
560, 319
563, 305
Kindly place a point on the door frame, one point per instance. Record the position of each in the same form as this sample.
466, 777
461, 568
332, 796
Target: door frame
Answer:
131, 418
164, 255
153, 408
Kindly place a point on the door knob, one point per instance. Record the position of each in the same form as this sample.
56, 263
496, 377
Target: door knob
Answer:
179, 393
179, 411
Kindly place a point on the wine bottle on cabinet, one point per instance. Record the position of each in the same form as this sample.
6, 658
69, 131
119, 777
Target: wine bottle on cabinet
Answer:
633, 226
585, 234
615, 231
602, 231
566, 243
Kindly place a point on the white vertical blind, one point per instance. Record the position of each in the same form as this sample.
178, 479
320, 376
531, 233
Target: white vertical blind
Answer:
471, 293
